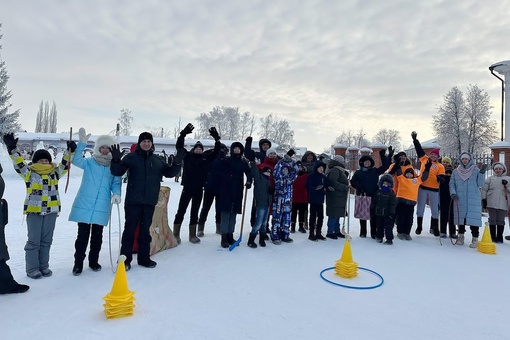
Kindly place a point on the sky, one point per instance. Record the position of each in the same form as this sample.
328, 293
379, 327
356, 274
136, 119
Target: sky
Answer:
202, 291
324, 66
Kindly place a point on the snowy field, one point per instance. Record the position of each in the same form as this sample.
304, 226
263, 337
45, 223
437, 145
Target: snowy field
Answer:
201, 291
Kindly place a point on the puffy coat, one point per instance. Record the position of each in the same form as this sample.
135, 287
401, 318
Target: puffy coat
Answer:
314, 180
92, 202
230, 192
336, 201
262, 191
495, 192
468, 196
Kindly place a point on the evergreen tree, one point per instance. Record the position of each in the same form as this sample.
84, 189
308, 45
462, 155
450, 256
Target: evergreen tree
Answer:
8, 121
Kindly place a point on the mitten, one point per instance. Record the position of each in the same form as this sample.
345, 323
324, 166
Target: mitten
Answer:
10, 142
116, 154
188, 129
116, 199
214, 133
390, 151
291, 152
249, 139
414, 134
484, 203
504, 182
83, 135
319, 187
71, 145
483, 168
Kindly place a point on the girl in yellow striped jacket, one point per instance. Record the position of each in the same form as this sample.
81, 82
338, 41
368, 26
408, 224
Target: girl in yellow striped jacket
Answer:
42, 202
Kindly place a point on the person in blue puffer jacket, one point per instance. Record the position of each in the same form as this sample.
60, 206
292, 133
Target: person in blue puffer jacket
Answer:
91, 207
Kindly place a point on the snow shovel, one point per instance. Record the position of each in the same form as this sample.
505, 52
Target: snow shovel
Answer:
236, 243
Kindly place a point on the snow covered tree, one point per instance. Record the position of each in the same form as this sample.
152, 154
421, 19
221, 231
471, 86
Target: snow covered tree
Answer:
388, 137
465, 124
39, 117
277, 130
351, 138
52, 123
46, 117
227, 120
8, 121
125, 122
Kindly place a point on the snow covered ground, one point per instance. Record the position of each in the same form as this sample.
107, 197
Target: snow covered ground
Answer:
201, 291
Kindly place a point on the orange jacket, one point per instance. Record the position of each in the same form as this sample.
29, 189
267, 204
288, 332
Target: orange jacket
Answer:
435, 170
408, 188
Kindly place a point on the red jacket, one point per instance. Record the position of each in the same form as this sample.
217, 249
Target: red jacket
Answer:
299, 192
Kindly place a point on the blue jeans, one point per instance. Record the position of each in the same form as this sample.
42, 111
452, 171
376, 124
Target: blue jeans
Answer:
261, 215
333, 225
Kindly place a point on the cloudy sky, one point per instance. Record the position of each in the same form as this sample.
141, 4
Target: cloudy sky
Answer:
325, 66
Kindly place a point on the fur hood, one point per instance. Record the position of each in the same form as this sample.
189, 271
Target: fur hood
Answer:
385, 178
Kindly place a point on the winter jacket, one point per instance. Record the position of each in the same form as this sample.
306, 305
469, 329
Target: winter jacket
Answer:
468, 196
495, 192
299, 193
230, 194
365, 179
407, 191
282, 197
384, 203
313, 182
42, 190
308, 165
92, 202
262, 191
336, 200
145, 172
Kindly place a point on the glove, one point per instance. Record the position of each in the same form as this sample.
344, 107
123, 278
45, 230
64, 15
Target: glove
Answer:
414, 134
10, 142
428, 165
390, 151
504, 182
331, 189
291, 152
484, 203
453, 196
71, 145
83, 135
251, 156
249, 139
287, 159
483, 168
248, 185
319, 187
116, 199
116, 154
187, 130
214, 133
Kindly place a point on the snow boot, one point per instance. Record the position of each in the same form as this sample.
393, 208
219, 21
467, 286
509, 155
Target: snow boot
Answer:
492, 229
230, 238
262, 239
177, 232
301, 228
77, 269
148, 263
339, 235
460, 240
251, 241
311, 236
499, 233
200, 231
419, 228
332, 236
95, 266
434, 226
362, 228
7, 283
293, 227
474, 242
193, 234
224, 241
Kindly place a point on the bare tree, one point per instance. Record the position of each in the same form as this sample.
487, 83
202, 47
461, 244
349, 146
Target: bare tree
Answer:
277, 130
52, 124
481, 130
125, 122
351, 138
388, 137
247, 124
449, 122
46, 117
178, 128
39, 118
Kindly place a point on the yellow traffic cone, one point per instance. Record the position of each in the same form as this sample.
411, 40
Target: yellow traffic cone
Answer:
486, 246
346, 267
119, 302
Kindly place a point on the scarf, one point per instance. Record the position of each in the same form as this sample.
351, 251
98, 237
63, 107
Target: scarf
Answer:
42, 169
104, 160
467, 171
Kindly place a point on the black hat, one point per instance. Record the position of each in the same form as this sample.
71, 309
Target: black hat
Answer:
409, 171
145, 135
199, 145
41, 154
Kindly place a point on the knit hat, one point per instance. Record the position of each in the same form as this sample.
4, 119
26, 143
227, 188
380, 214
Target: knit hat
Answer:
465, 155
145, 135
446, 160
198, 145
271, 150
499, 165
41, 154
435, 151
340, 159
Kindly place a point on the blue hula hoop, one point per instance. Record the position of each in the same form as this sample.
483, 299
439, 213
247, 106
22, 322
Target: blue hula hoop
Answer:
355, 287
